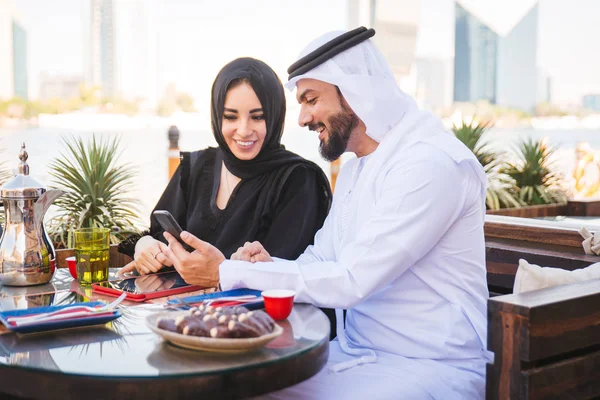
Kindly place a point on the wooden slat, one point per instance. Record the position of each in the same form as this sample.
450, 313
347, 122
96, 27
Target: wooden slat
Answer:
505, 333
501, 274
560, 319
548, 296
563, 237
504, 251
564, 326
502, 259
587, 208
532, 211
574, 378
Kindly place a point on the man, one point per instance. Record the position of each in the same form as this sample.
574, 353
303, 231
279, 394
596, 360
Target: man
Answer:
402, 249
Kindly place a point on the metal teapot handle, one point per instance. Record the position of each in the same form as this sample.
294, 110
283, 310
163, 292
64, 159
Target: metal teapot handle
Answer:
43, 203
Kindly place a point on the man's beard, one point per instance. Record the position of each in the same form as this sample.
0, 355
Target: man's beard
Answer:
340, 129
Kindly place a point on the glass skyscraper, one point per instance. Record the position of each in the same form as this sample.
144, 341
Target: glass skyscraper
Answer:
20, 86
102, 58
475, 59
498, 67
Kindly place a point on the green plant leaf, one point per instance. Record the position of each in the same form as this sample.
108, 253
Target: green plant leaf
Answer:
502, 191
535, 174
97, 189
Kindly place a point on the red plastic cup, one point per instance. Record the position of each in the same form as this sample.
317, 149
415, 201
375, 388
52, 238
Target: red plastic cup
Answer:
278, 303
72, 263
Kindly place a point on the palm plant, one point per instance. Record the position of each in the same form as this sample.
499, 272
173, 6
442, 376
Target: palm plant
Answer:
534, 175
96, 190
501, 191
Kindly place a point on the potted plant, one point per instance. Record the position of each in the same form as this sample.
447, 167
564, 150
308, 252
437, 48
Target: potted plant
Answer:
535, 175
97, 195
501, 191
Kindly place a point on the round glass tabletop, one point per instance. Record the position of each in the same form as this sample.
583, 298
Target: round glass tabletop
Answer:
126, 348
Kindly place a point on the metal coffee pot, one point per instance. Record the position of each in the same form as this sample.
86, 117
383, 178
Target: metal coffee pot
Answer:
27, 256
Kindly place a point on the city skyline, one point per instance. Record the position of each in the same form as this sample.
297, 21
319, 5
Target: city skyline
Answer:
123, 51
199, 37
496, 62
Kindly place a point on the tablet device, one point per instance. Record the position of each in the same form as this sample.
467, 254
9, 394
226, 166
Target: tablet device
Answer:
146, 287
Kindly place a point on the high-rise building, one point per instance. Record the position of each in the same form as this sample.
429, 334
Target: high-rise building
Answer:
396, 23
102, 61
431, 83
475, 59
544, 87
61, 87
592, 102
138, 63
495, 54
20, 71
123, 53
6, 65
13, 53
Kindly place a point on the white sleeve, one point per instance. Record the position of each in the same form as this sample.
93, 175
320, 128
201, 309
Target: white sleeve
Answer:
419, 203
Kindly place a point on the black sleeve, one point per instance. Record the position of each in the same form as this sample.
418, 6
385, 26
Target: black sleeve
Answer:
174, 200
298, 215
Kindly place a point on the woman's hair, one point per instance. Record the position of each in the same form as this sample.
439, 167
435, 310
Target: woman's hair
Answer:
268, 89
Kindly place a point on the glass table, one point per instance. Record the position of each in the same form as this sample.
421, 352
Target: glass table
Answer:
125, 359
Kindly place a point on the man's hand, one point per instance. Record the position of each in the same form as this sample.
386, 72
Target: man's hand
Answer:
200, 267
253, 252
150, 255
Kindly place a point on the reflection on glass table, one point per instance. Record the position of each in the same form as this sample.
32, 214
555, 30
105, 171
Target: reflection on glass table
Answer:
98, 358
126, 347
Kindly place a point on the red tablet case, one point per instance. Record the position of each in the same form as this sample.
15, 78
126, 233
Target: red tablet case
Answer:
144, 296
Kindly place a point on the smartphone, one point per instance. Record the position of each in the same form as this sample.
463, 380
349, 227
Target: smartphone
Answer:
168, 223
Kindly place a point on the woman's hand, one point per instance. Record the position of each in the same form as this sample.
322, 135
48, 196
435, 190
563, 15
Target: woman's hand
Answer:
128, 269
153, 283
200, 267
253, 252
150, 255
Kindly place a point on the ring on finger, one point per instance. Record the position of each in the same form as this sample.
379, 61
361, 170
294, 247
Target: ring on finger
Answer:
154, 256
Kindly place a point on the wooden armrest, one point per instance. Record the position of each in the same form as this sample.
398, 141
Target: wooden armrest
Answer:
546, 343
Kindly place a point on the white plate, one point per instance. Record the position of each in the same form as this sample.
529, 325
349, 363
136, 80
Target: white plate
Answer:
223, 345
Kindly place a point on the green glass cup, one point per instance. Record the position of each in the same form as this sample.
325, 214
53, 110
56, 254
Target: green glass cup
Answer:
92, 247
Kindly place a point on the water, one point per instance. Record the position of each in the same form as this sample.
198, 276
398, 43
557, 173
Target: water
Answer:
146, 149
565, 142
92, 264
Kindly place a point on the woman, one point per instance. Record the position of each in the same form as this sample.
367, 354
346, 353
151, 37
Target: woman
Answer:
249, 188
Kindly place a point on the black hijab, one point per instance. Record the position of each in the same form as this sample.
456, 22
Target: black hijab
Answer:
269, 90
273, 203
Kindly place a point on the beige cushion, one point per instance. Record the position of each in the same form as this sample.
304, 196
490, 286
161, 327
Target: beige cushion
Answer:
533, 277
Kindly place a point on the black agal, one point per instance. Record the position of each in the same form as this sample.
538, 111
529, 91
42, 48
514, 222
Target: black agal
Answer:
329, 49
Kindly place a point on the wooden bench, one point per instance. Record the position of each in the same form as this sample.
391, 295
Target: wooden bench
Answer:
546, 342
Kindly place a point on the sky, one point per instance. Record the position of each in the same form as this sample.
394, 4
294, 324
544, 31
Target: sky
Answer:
200, 36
